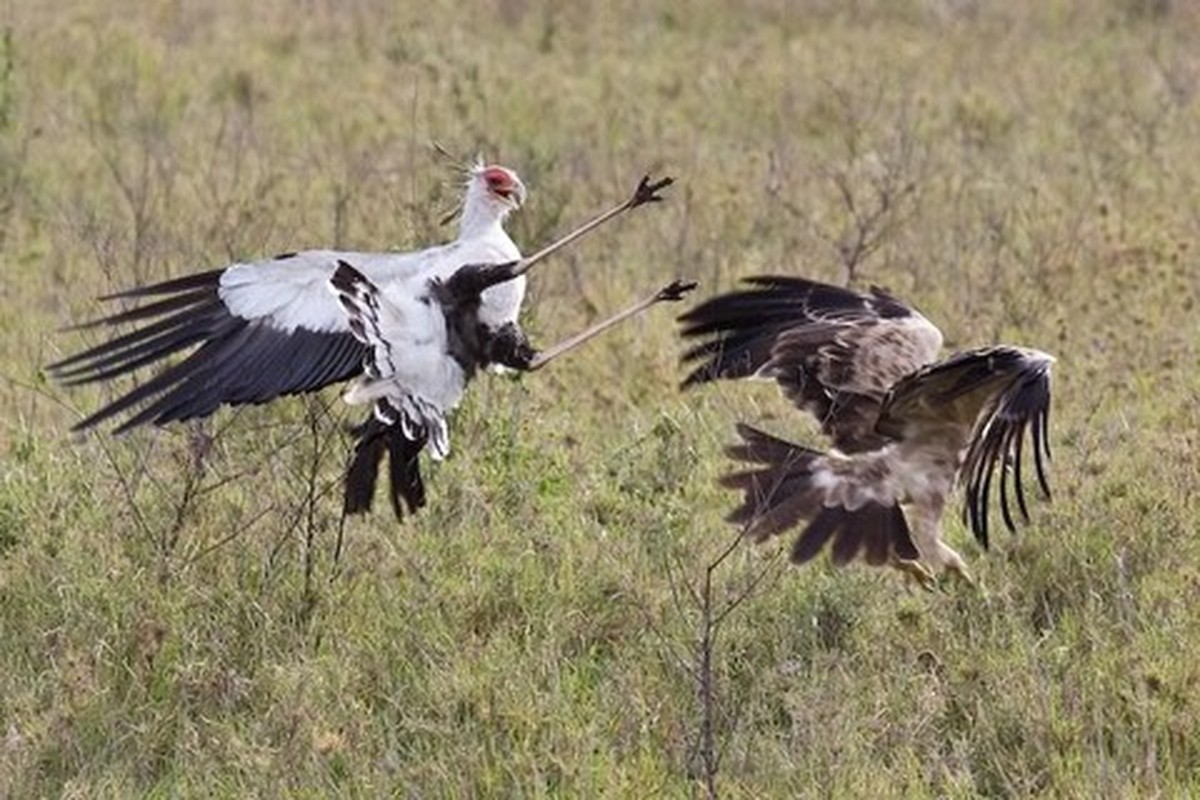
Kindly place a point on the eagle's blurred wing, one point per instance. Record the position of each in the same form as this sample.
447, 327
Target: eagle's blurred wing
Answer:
853, 501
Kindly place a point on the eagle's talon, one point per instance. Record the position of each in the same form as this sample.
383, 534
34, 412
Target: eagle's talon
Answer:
961, 573
917, 572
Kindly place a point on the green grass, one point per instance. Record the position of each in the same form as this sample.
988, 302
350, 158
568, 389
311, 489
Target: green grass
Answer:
171, 631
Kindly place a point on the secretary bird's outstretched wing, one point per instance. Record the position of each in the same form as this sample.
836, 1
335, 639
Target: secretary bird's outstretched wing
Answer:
263, 329
982, 401
834, 352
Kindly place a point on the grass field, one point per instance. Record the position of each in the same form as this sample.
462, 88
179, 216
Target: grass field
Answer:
176, 618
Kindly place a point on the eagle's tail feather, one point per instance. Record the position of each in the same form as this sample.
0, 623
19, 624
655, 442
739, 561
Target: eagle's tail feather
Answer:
792, 484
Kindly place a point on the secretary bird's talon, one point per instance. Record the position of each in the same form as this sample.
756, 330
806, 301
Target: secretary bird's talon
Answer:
675, 291
648, 192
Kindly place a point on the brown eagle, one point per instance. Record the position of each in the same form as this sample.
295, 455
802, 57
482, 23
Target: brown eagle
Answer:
906, 428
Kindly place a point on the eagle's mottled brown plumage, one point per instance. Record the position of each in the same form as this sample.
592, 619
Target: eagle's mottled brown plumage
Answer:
906, 429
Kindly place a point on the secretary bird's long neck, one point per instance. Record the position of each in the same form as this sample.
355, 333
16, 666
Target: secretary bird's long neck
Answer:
480, 215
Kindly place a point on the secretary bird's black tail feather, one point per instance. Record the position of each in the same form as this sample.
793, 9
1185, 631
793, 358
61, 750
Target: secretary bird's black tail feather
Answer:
404, 469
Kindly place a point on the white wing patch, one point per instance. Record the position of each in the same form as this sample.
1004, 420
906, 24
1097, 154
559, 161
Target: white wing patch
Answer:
292, 291
855, 480
409, 374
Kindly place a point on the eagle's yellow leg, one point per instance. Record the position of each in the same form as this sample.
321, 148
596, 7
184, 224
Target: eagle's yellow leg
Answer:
916, 571
959, 571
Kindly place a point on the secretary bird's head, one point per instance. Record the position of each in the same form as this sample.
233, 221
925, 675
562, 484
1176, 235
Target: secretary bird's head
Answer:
493, 191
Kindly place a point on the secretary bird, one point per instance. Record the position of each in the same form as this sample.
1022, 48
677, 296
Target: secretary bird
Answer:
905, 427
411, 328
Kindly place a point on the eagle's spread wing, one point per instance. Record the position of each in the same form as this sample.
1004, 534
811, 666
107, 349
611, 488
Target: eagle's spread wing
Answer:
981, 401
260, 330
834, 352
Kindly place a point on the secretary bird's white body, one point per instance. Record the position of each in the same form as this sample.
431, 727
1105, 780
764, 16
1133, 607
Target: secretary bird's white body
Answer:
408, 367
408, 377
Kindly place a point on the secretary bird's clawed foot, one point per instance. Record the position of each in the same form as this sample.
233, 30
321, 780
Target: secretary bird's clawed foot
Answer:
674, 291
648, 191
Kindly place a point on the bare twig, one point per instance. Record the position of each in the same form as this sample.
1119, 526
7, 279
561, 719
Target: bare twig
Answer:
875, 180
712, 613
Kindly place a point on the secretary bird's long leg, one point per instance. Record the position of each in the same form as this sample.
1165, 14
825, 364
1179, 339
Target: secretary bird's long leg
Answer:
670, 293
647, 191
